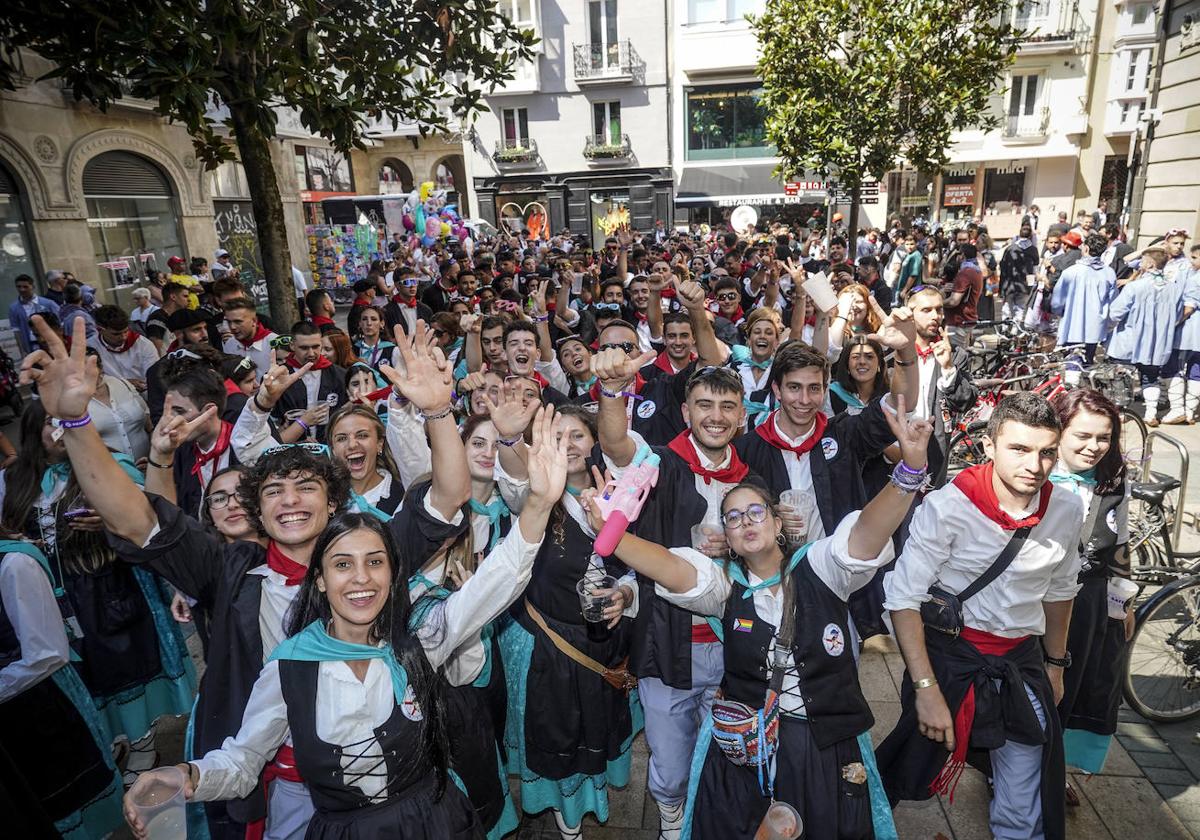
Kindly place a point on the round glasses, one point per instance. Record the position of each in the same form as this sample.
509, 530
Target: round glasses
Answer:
734, 519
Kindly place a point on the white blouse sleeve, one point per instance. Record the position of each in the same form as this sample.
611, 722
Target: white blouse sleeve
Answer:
232, 771
831, 561
30, 607
499, 580
251, 433
927, 549
406, 441
712, 587
514, 491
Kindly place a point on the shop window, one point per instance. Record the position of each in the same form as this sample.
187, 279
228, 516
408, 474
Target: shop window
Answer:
1003, 188
16, 244
726, 122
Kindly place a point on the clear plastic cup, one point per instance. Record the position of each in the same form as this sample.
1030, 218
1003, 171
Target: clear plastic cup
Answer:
595, 595
158, 801
818, 287
702, 535
799, 502
781, 822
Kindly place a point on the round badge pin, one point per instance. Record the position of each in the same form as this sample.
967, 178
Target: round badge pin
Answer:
830, 447
646, 409
833, 639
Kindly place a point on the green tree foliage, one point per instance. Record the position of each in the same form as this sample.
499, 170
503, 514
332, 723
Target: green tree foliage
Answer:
853, 87
342, 65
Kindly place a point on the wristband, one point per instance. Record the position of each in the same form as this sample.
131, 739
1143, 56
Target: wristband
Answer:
907, 480
900, 363
907, 470
445, 412
78, 422
509, 442
157, 465
303, 425
259, 405
541, 319
928, 682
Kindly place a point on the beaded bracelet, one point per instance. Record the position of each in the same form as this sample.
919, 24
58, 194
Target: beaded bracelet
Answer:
907, 480
509, 442
445, 412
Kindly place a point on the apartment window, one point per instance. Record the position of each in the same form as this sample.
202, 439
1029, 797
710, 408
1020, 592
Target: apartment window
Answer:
519, 12
1135, 77
516, 126
1142, 12
606, 121
321, 169
602, 28
719, 11
726, 122
1023, 96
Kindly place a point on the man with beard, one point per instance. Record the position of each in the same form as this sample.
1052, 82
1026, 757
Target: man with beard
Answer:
191, 331
676, 655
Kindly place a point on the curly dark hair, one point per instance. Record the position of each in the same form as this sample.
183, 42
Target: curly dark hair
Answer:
287, 462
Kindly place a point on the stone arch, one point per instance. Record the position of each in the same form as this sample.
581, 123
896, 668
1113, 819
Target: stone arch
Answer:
190, 189
407, 180
33, 183
456, 166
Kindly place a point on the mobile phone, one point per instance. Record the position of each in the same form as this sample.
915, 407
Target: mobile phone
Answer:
77, 512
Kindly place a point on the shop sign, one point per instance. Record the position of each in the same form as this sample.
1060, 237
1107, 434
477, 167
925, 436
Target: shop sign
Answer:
761, 200
914, 201
959, 195
309, 196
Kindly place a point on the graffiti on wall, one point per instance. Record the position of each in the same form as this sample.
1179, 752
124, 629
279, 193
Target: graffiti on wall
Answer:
237, 234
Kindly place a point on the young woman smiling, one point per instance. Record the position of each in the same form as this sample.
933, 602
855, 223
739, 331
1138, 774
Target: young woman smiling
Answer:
356, 690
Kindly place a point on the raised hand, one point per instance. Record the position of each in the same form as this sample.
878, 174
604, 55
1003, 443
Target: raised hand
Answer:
547, 458
471, 382
276, 381
66, 381
658, 279
427, 380
174, 431
624, 236
943, 353
912, 435
509, 415
897, 330
615, 368
690, 293
797, 272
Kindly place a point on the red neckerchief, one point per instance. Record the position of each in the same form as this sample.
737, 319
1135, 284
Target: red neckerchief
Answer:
320, 364
663, 362
218, 449
231, 388
277, 561
411, 303
539, 379
768, 432
923, 354
681, 445
322, 321
362, 300
641, 317
976, 484
964, 719
131, 338
260, 332
638, 382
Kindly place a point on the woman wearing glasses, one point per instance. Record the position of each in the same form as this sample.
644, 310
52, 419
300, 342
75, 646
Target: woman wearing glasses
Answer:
820, 761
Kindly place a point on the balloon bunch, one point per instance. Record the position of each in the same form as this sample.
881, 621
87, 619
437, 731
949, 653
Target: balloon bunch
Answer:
429, 218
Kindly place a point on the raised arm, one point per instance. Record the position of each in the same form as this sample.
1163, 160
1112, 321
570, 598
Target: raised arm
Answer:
511, 420
654, 314
66, 382
616, 372
471, 347
898, 332
708, 348
427, 382
799, 299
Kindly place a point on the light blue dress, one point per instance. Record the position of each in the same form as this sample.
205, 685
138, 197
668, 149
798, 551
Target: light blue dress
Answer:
1188, 337
1081, 299
1145, 313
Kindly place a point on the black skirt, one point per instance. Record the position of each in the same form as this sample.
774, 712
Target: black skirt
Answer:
473, 754
730, 805
417, 815
1092, 685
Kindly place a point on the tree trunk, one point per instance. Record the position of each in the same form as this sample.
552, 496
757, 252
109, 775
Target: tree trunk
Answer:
255, 151
852, 224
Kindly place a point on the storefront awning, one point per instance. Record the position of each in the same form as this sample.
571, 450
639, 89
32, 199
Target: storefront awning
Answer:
729, 186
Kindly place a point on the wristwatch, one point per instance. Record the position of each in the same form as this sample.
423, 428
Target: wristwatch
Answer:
1065, 662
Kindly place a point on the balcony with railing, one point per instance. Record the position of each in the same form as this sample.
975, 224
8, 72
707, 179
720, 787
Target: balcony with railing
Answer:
1026, 128
515, 152
616, 63
607, 148
1048, 26
127, 99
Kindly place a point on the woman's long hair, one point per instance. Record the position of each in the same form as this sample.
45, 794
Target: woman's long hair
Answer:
343, 349
384, 459
23, 480
391, 625
841, 368
872, 321
1110, 472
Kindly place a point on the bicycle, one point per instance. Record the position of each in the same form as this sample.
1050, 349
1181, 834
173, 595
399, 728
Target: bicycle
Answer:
1162, 673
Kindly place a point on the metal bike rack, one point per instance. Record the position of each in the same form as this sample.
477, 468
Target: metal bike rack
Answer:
1177, 525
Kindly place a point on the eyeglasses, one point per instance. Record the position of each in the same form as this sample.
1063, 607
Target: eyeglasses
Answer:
218, 500
281, 341
734, 519
728, 297
318, 449
623, 346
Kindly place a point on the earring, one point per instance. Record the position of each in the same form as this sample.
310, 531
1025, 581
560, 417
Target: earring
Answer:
781, 539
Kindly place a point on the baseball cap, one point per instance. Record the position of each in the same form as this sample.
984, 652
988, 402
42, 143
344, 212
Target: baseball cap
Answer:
176, 263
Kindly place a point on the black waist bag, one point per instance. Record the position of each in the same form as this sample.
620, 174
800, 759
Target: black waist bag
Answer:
943, 611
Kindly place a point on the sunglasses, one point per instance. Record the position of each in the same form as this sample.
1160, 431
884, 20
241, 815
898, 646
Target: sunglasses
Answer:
182, 353
245, 364
624, 346
729, 297
606, 307
318, 449
281, 341
734, 519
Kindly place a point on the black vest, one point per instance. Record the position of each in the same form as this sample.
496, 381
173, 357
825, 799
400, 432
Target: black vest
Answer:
1098, 550
825, 666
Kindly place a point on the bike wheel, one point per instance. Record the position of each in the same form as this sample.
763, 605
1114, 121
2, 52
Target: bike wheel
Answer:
1162, 680
966, 449
1133, 432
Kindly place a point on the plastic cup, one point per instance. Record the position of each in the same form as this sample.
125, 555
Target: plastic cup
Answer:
798, 501
595, 594
702, 534
781, 822
1137, 460
158, 801
1120, 591
821, 291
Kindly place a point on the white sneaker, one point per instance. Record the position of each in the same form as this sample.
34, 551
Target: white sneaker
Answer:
670, 821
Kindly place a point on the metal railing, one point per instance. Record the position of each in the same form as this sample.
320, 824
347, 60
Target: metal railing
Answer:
1027, 125
605, 147
1184, 463
595, 62
509, 150
1047, 22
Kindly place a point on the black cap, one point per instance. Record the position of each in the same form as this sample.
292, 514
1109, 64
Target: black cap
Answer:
183, 318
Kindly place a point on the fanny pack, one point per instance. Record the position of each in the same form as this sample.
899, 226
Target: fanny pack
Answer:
745, 735
619, 677
943, 611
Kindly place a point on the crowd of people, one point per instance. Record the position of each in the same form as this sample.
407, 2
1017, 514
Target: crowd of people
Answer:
533, 500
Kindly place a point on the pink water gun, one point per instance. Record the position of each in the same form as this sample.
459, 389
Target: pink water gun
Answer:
622, 499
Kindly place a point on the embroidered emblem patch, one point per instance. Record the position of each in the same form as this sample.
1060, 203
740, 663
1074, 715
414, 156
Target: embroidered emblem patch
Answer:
410, 708
1111, 520
833, 639
743, 625
646, 409
830, 447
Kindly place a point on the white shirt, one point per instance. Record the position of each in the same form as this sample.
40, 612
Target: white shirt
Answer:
140, 315
251, 434
347, 710
260, 352
951, 544
753, 379
831, 562
312, 386
273, 606
31, 609
298, 281
799, 470
926, 378
130, 364
122, 423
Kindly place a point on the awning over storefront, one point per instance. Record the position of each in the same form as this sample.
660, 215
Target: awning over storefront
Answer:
729, 186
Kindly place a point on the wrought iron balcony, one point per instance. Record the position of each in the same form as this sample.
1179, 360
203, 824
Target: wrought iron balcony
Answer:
606, 63
605, 147
515, 151
1048, 25
1027, 126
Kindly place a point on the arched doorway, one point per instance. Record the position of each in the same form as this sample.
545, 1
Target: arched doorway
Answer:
16, 240
133, 218
449, 174
395, 178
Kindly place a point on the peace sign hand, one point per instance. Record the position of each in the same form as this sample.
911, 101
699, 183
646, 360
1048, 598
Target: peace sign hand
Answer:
276, 382
427, 380
173, 431
912, 435
66, 381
